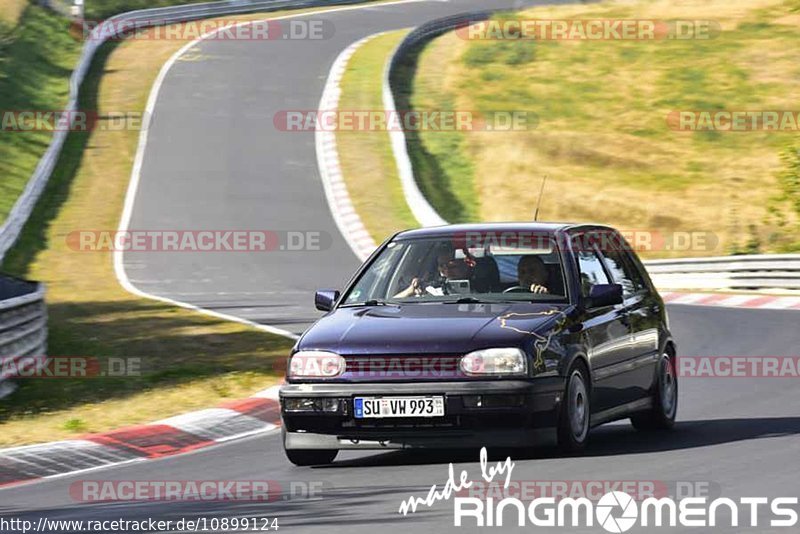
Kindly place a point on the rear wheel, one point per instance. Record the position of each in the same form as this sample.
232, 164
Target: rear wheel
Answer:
304, 457
665, 401
573, 422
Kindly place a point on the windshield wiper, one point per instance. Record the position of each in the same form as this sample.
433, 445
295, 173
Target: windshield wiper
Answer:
370, 302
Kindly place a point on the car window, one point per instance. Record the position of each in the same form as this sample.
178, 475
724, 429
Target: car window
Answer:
507, 265
591, 271
636, 270
509, 271
623, 271
380, 276
452, 268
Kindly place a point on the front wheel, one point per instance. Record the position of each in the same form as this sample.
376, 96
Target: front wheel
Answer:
665, 403
304, 457
573, 422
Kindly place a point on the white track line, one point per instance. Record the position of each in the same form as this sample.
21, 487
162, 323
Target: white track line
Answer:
133, 186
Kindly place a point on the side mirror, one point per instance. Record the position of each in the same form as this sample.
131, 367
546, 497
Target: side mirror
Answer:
604, 295
324, 299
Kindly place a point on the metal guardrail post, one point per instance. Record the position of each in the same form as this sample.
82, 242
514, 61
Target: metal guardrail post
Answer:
23, 328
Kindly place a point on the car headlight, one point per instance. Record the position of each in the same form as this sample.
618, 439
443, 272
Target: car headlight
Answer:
312, 405
499, 362
316, 364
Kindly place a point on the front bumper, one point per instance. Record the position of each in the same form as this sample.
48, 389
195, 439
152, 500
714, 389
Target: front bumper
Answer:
520, 413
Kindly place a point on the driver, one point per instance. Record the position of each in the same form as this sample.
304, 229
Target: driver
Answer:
449, 268
532, 274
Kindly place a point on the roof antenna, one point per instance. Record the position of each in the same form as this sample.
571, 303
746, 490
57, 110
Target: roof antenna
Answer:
539, 202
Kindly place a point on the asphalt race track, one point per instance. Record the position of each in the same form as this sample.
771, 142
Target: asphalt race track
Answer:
215, 161
739, 437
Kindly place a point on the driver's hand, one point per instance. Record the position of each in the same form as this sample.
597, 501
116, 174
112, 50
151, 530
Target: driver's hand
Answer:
414, 289
536, 288
416, 286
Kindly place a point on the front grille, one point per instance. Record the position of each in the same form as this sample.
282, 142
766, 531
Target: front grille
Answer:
388, 367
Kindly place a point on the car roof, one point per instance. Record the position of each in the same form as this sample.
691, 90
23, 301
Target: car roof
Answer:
451, 229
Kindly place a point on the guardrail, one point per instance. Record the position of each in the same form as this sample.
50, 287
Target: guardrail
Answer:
11, 228
23, 327
757, 272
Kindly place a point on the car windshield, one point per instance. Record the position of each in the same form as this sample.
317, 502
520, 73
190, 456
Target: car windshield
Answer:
450, 269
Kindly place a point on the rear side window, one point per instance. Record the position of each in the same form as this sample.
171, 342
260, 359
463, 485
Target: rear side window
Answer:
591, 271
623, 271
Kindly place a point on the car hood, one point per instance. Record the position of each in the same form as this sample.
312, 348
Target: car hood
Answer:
432, 328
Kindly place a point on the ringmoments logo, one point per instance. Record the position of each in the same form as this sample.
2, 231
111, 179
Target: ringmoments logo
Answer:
618, 511
616, 500
615, 511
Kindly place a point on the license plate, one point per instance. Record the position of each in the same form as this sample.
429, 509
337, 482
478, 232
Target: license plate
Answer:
373, 407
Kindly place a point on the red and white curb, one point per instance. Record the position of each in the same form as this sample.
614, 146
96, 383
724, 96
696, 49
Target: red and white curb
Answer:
188, 432
344, 213
727, 300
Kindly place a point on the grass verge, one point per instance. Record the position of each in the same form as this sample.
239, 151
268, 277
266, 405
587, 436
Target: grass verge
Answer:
443, 174
603, 138
36, 58
366, 157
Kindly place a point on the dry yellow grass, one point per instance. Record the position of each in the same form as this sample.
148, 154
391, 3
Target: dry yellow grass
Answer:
10, 10
603, 138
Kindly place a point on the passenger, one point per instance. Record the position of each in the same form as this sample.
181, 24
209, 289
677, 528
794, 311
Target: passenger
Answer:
449, 268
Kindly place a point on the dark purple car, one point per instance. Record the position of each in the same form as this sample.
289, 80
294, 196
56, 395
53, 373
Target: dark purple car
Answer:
504, 335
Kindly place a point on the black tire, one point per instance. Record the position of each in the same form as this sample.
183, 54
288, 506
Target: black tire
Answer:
665, 399
575, 415
304, 457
